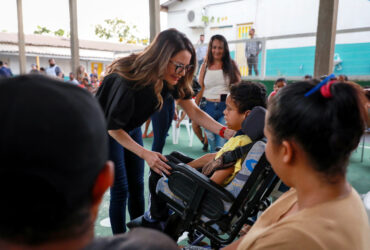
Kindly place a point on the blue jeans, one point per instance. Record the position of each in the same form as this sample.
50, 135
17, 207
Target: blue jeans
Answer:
215, 110
128, 183
161, 122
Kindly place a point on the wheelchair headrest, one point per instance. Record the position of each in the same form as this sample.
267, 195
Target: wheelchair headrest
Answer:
254, 124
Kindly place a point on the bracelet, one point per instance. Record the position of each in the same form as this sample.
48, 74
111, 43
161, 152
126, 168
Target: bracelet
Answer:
222, 132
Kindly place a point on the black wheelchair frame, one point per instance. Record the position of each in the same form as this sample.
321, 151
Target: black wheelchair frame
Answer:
202, 197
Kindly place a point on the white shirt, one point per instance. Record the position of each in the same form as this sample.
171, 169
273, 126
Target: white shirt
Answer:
215, 84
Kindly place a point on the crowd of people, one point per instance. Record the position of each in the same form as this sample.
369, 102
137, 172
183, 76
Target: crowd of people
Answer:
60, 163
80, 77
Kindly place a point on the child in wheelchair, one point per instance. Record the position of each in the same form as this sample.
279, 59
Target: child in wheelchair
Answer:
242, 99
239, 103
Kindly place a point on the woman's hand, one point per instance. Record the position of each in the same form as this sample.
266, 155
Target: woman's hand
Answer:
156, 162
229, 133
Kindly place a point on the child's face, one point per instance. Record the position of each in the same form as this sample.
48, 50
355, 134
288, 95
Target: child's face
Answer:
233, 118
279, 85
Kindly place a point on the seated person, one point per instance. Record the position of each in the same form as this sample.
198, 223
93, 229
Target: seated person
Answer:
242, 99
310, 137
279, 83
54, 169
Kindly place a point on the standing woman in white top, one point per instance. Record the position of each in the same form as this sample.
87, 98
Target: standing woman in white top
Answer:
216, 75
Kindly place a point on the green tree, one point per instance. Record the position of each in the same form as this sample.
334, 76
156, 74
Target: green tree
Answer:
118, 29
59, 32
41, 30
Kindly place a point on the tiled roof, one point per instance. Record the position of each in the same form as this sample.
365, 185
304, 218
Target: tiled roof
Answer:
86, 54
61, 42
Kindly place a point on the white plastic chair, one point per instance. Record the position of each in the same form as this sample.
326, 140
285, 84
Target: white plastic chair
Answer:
176, 131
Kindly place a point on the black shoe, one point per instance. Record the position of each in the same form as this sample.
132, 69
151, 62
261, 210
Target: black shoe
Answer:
142, 222
135, 222
205, 147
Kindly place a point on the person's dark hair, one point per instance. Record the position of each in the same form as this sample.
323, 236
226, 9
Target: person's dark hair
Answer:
328, 129
343, 77
247, 95
50, 157
229, 67
308, 77
1, 63
282, 79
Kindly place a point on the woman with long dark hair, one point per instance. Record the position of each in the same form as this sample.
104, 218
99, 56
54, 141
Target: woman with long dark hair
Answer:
134, 88
217, 74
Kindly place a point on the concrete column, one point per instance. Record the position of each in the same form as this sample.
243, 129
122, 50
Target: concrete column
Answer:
154, 20
263, 60
325, 37
21, 43
75, 54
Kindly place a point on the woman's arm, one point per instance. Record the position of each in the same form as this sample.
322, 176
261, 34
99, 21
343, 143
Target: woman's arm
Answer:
201, 161
203, 119
154, 159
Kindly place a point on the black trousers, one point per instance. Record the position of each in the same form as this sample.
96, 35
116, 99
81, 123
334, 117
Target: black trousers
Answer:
253, 63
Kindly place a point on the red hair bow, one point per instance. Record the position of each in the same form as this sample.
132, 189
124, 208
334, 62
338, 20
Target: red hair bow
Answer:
325, 90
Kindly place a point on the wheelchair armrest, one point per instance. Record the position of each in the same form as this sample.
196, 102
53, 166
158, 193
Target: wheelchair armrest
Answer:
202, 181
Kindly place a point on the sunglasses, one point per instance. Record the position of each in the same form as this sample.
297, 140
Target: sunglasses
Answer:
179, 68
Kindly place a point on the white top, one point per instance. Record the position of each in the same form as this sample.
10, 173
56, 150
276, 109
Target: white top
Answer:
215, 84
50, 71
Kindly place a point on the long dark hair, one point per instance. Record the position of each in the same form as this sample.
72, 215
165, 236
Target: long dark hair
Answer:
328, 129
229, 67
149, 66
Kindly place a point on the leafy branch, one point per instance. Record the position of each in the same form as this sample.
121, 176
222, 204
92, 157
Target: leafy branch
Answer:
118, 29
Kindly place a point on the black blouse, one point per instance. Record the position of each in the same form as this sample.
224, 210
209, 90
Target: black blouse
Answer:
126, 107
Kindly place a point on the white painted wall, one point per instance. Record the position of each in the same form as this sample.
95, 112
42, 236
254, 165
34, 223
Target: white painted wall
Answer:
353, 14
271, 18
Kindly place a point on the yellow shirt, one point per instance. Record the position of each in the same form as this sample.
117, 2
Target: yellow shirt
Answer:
338, 224
231, 144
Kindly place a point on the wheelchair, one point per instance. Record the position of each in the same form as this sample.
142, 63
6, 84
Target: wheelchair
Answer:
207, 210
